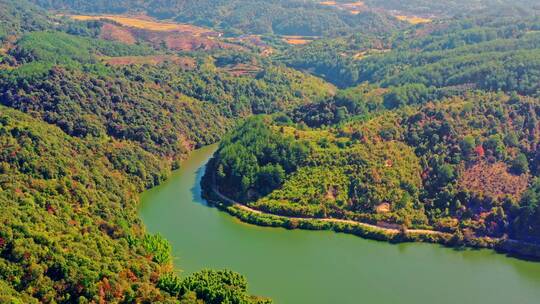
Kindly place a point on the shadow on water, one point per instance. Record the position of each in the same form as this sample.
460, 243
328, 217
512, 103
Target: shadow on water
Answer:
518, 256
462, 248
196, 190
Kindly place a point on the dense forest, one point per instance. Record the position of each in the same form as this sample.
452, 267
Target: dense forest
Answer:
82, 136
488, 52
451, 7
61, 78
291, 17
417, 114
435, 128
461, 164
70, 229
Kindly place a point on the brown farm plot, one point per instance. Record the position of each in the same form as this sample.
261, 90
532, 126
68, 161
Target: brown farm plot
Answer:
176, 36
117, 33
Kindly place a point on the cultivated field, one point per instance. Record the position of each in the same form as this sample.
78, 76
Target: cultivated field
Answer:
353, 7
176, 36
117, 33
356, 8
146, 23
363, 54
413, 19
298, 40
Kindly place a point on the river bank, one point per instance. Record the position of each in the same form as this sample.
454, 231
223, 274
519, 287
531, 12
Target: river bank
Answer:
320, 267
523, 250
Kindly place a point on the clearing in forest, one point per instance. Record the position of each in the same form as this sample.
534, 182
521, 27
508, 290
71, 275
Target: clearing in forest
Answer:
363, 54
413, 19
176, 36
354, 8
298, 40
493, 180
147, 23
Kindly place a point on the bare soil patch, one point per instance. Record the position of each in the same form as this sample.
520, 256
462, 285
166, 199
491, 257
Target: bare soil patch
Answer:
117, 33
175, 36
493, 180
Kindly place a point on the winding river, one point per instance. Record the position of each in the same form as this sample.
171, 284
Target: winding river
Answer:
324, 267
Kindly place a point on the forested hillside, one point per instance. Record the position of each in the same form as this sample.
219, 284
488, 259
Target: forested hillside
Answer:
451, 7
491, 53
61, 78
17, 17
86, 125
70, 229
291, 17
463, 164
434, 126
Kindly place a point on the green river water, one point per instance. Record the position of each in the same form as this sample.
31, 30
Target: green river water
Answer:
322, 267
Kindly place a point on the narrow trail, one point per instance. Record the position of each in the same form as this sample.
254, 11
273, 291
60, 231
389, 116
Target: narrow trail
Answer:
426, 232
331, 220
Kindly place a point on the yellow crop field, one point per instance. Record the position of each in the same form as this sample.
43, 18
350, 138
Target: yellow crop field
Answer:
353, 7
298, 40
363, 54
146, 23
413, 19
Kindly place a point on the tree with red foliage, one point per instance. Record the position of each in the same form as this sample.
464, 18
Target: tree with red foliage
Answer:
480, 151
